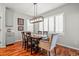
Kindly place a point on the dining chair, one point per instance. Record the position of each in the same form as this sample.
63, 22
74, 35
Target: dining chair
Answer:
45, 35
45, 32
28, 35
25, 36
49, 45
23, 40
30, 42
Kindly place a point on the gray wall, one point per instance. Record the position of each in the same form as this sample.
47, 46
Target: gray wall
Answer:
70, 37
18, 33
11, 20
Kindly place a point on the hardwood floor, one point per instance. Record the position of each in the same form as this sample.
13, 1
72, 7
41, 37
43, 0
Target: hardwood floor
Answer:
17, 50
64, 51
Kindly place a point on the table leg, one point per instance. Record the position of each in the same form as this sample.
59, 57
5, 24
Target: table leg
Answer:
27, 43
31, 46
37, 47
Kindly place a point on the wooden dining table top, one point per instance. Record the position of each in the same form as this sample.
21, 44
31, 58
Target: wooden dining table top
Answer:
36, 36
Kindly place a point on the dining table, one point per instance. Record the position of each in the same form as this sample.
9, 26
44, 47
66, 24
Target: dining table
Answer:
36, 38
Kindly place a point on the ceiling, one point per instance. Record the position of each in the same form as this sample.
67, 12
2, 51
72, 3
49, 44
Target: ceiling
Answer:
28, 8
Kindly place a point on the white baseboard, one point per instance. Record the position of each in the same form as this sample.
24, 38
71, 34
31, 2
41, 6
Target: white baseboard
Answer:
68, 46
18, 40
2, 46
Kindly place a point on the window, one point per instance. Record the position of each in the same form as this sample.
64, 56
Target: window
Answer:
51, 24
29, 26
45, 24
59, 23
36, 28
40, 26
55, 23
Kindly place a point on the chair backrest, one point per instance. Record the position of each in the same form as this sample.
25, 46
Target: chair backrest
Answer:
45, 32
54, 41
39, 32
23, 35
50, 38
28, 33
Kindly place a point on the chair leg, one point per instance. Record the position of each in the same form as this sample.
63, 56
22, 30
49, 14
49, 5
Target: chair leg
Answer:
55, 51
27, 45
23, 45
31, 46
48, 53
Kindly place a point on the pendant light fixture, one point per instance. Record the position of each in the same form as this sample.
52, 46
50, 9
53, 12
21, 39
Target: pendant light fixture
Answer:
36, 18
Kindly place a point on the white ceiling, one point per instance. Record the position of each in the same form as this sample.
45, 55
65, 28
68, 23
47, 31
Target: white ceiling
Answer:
27, 8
